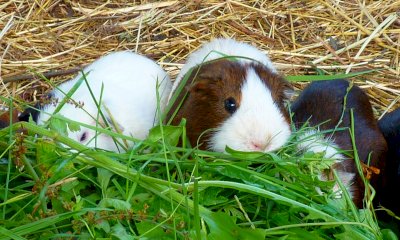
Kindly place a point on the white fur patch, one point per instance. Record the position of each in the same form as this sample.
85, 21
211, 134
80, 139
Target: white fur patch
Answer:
129, 94
315, 141
213, 49
347, 179
257, 125
4, 108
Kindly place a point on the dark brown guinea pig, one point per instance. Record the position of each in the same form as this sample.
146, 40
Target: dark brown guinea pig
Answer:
5, 118
18, 116
390, 127
235, 102
322, 104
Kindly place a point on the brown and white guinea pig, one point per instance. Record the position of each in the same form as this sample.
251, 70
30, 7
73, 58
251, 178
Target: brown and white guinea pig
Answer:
322, 104
124, 84
390, 127
235, 102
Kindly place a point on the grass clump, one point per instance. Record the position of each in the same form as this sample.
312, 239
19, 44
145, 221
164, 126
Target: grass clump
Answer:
54, 187
48, 191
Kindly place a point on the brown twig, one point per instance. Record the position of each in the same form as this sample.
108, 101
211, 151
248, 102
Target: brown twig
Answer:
48, 74
251, 33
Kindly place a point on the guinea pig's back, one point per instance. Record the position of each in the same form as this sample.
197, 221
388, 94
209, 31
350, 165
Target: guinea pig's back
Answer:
390, 127
329, 102
323, 102
125, 83
131, 93
120, 73
318, 99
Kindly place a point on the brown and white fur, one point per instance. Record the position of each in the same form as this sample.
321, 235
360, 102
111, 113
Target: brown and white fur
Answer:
235, 102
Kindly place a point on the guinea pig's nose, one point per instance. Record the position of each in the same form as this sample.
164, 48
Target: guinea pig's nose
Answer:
260, 146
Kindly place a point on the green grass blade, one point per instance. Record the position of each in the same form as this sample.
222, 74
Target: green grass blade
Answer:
310, 78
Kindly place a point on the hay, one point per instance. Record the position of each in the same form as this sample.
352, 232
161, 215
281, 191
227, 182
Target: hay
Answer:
58, 37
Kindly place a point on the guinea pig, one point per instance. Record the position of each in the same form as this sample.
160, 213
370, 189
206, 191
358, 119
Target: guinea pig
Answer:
236, 101
128, 99
326, 105
390, 127
5, 119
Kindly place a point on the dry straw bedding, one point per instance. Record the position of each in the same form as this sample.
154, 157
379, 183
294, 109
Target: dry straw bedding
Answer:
58, 37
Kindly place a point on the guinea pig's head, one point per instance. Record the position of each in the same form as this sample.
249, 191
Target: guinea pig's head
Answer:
84, 114
236, 104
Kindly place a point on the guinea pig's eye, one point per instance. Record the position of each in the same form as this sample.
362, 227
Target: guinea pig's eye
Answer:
230, 105
83, 137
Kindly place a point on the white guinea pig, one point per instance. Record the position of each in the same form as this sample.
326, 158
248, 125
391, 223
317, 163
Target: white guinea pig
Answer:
128, 99
241, 100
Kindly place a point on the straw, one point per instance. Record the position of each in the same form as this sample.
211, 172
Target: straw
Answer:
57, 39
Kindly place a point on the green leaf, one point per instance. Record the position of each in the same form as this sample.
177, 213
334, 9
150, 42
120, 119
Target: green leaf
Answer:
119, 232
10, 234
388, 234
78, 204
58, 125
149, 230
43, 223
103, 177
46, 152
222, 227
115, 204
171, 134
74, 127
356, 235
300, 234
306, 78
245, 155
103, 225
71, 186
211, 196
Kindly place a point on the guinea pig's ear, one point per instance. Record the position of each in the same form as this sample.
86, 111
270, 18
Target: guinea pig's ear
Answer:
30, 112
288, 92
287, 88
198, 86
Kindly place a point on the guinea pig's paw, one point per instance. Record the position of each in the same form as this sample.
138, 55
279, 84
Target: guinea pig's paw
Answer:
319, 191
346, 178
315, 141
